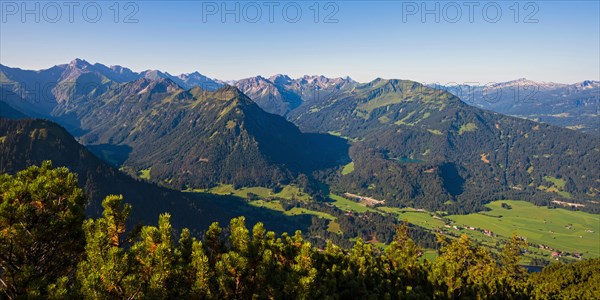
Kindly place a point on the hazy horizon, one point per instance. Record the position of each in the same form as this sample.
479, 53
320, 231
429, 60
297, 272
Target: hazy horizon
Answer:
267, 76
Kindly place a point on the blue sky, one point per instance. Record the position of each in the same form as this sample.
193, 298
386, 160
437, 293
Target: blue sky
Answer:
370, 39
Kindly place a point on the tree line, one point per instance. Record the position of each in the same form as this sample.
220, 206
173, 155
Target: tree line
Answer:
48, 250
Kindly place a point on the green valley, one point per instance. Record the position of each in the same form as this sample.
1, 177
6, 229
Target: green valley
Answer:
546, 230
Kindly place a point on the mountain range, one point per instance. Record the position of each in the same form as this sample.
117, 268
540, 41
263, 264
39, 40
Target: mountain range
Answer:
395, 140
280, 94
184, 138
574, 106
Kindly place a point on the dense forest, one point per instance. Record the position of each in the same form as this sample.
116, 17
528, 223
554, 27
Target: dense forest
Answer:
30, 142
48, 250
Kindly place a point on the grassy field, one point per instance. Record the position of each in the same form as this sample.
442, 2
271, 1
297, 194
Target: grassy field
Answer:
435, 131
345, 204
562, 229
303, 211
469, 127
557, 186
145, 174
334, 227
429, 255
349, 168
276, 205
287, 192
421, 218
559, 183
273, 205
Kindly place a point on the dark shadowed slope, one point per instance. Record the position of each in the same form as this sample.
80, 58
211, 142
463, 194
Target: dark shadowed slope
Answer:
29, 142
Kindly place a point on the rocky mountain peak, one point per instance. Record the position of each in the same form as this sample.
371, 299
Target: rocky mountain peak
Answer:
79, 64
280, 79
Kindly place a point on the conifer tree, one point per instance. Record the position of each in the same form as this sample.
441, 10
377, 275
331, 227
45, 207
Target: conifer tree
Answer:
464, 270
108, 270
41, 213
154, 260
